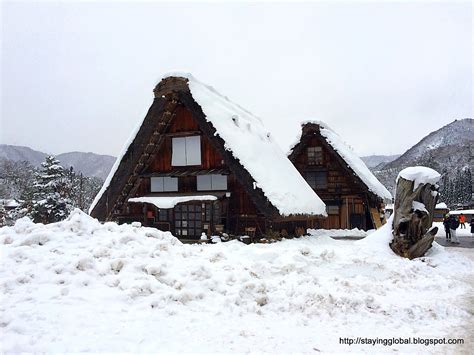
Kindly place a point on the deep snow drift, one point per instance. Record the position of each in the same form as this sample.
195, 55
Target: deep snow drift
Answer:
79, 285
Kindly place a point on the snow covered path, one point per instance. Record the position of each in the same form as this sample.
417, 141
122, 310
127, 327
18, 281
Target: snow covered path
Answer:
79, 285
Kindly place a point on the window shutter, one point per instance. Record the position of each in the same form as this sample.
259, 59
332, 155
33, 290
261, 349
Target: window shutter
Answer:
193, 150
178, 152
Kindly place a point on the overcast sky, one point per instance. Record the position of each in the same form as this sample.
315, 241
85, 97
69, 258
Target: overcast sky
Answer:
79, 76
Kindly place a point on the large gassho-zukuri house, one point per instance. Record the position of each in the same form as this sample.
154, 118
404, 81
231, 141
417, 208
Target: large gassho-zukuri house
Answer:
200, 163
353, 196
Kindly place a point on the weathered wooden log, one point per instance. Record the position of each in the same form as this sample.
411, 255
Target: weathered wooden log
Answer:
415, 201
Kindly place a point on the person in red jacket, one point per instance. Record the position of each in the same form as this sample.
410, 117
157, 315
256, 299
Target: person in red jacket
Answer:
462, 220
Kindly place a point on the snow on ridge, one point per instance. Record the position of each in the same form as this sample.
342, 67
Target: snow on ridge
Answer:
419, 175
191, 77
298, 136
62, 277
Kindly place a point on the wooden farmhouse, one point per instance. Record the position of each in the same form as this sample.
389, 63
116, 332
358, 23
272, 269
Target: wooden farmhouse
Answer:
440, 211
353, 196
200, 163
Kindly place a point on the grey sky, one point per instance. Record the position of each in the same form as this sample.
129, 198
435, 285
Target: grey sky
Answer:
79, 76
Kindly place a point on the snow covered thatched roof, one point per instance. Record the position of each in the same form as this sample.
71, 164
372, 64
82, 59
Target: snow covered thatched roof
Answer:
353, 161
248, 141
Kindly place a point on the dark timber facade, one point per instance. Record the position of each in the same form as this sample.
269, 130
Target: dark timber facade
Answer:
349, 202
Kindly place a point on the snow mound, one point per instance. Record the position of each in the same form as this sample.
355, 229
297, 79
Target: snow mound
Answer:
79, 285
419, 175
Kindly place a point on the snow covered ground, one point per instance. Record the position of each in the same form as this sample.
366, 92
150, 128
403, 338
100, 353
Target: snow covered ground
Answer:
79, 285
340, 233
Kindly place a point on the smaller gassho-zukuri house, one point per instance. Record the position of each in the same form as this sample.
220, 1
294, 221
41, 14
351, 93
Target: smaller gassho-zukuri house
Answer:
200, 163
353, 196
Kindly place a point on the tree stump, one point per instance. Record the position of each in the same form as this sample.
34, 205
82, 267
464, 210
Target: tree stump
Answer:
413, 217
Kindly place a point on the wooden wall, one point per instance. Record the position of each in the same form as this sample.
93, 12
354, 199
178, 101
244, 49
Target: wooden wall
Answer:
184, 124
239, 213
343, 189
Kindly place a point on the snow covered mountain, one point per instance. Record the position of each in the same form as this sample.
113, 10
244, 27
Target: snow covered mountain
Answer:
373, 161
18, 153
449, 148
90, 164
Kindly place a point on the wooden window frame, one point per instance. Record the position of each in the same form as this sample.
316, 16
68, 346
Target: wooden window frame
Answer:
183, 144
315, 155
212, 177
311, 176
165, 187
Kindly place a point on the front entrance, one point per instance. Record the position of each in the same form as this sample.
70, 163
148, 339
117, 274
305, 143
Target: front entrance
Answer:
188, 220
192, 219
357, 221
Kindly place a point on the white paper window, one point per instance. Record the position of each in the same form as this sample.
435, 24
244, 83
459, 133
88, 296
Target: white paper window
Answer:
211, 182
219, 182
204, 182
186, 151
193, 150
163, 184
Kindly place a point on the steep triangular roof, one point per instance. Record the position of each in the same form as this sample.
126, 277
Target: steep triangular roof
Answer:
352, 161
271, 180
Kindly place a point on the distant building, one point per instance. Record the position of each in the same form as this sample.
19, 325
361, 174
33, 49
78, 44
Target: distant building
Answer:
353, 196
441, 210
9, 204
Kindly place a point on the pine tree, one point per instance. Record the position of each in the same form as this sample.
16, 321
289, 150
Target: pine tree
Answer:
16, 180
467, 185
445, 188
51, 198
3, 216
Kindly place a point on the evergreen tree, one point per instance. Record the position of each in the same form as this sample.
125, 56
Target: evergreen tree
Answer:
3, 216
16, 180
51, 199
467, 185
445, 188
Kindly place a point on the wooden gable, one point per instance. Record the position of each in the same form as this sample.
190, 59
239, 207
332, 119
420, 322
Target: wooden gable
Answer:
174, 113
349, 202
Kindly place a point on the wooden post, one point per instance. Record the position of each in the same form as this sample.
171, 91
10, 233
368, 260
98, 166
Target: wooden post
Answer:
413, 217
